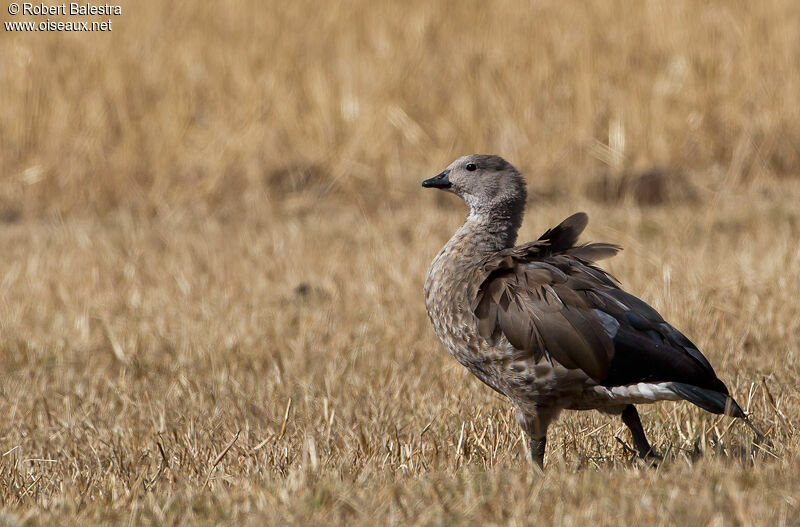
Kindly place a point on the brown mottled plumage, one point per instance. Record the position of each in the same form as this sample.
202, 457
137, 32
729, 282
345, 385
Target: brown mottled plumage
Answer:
542, 325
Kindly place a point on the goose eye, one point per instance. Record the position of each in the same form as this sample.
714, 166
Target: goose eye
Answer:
471, 167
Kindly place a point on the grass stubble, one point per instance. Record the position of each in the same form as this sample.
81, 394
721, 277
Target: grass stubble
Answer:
213, 246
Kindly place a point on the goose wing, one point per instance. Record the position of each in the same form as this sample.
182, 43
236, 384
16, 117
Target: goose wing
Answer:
549, 300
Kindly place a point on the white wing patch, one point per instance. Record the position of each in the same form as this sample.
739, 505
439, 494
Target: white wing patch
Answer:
643, 392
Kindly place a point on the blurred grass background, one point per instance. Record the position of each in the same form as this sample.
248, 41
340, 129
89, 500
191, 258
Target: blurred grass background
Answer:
204, 106
214, 241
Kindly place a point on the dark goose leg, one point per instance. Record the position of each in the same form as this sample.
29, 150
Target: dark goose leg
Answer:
537, 450
631, 419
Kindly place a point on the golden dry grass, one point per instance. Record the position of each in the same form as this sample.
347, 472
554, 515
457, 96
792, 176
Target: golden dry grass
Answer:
213, 246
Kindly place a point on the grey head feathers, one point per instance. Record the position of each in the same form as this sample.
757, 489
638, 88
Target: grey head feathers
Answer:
489, 185
496, 194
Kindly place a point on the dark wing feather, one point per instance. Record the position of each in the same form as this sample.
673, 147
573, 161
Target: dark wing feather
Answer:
593, 252
538, 310
548, 300
648, 349
565, 235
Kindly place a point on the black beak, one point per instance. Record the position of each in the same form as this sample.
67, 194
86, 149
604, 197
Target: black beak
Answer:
440, 181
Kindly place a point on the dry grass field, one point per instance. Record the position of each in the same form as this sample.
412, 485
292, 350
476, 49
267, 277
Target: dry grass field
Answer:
213, 243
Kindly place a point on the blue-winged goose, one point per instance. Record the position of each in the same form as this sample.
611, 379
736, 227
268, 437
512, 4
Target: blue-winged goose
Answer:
542, 325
